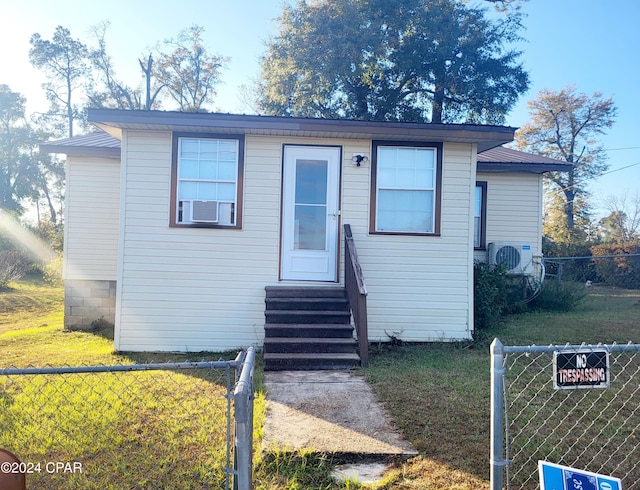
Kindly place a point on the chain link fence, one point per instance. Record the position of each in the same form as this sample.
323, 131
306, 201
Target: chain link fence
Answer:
565, 415
155, 426
621, 270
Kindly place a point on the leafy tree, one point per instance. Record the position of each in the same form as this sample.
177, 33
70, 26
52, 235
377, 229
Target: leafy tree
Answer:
49, 184
26, 174
507, 5
409, 60
189, 72
554, 222
105, 90
181, 69
564, 125
622, 224
613, 227
64, 61
19, 170
248, 97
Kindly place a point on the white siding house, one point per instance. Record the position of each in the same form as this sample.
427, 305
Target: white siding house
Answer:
514, 207
511, 185
191, 283
92, 208
93, 204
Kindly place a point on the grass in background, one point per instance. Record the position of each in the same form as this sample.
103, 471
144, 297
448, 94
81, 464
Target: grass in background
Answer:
159, 429
128, 430
606, 315
437, 394
32, 334
29, 305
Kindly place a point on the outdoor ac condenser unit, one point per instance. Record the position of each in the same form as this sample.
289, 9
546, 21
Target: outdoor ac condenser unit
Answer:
517, 257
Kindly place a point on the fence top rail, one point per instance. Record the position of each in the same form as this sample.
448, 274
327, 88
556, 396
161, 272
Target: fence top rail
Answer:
244, 384
553, 259
118, 368
514, 349
244, 387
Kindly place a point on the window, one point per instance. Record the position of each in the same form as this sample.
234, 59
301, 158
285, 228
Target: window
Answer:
406, 188
480, 216
207, 181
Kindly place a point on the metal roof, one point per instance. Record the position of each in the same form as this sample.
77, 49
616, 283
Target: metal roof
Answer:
503, 159
99, 144
114, 121
492, 159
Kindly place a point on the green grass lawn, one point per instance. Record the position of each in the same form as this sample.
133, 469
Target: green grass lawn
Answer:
146, 430
439, 395
156, 429
30, 304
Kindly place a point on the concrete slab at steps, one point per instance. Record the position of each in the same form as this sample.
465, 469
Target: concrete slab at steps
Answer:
328, 412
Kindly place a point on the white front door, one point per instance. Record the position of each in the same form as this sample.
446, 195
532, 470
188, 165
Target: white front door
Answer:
310, 215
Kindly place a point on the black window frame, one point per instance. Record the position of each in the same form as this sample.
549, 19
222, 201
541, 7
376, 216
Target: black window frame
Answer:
483, 215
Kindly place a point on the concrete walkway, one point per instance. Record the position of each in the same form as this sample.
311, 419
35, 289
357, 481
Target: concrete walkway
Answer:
329, 412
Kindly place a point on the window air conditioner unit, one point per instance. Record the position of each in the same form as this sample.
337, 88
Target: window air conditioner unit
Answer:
204, 211
517, 257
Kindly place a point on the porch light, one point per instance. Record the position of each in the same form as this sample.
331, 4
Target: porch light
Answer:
358, 159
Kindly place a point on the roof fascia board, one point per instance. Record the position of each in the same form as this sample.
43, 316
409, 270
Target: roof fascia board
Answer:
485, 136
534, 168
81, 151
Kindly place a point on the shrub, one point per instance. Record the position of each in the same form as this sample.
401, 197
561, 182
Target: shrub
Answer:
572, 268
50, 233
621, 271
554, 249
13, 265
491, 291
559, 296
52, 271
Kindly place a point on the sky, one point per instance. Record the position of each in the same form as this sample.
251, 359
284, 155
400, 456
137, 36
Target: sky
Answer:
592, 44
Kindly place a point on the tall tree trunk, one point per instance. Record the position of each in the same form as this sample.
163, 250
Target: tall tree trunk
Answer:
438, 105
570, 195
69, 107
146, 69
570, 208
53, 217
362, 108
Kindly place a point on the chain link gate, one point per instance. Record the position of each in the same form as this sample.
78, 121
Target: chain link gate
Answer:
167, 425
594, 429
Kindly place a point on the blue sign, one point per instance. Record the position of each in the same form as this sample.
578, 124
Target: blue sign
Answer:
557, 477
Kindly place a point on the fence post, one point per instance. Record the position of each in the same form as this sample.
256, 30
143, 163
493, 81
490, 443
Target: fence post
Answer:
497, 419
560, 266
243, 414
